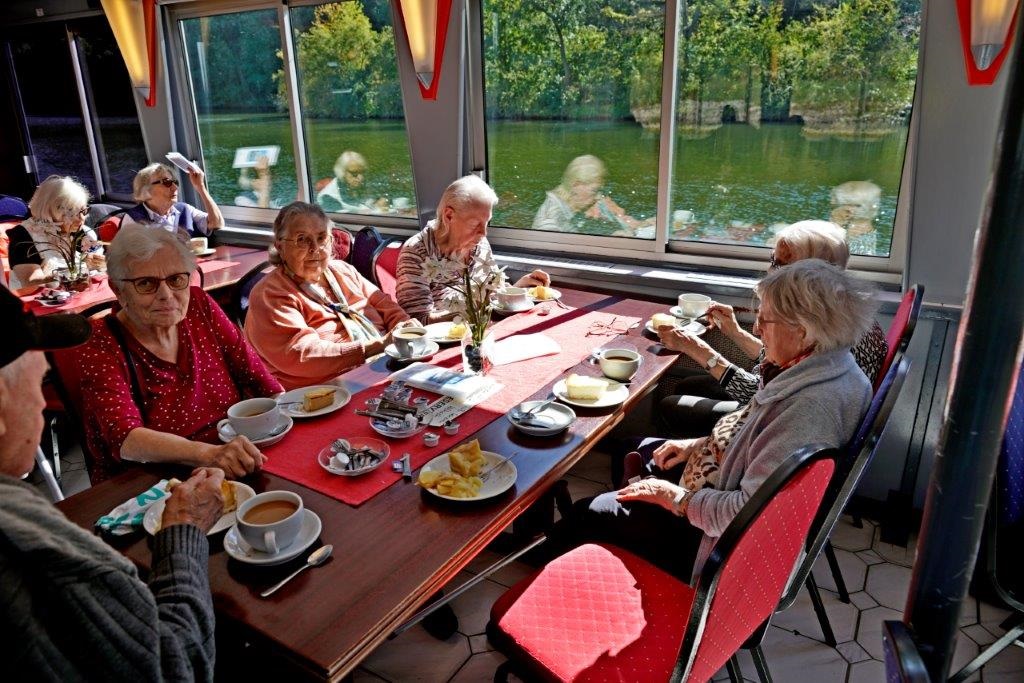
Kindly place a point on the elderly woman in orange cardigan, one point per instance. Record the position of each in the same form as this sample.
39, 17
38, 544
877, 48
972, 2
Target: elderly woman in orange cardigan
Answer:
312, 318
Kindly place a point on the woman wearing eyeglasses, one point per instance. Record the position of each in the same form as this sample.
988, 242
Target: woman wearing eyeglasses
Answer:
313, 318
59, 206
162, 370
156, 189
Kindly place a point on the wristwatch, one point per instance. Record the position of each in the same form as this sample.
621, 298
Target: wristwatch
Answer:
715, 360
681, 497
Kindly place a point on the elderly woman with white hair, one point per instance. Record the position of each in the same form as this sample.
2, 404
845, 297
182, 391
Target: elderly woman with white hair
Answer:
59, 207
162, 370
313, 318
156, 189
703, 396
458, 235
811, 392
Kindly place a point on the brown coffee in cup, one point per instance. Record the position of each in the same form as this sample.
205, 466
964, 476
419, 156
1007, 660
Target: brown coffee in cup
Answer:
270, 512
253, 412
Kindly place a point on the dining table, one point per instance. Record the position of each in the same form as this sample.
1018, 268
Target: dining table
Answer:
222, 268
394, 551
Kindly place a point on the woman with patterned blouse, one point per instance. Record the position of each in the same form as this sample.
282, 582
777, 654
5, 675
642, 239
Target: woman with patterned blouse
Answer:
160, 372
459, 234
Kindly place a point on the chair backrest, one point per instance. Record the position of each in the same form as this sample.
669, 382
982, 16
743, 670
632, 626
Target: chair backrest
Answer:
903, 661
243, 288
107, 229
732, 601
385, 268
341, 243
101, 212
1006, 510
849, 470
367, 243
897, 339
13, 208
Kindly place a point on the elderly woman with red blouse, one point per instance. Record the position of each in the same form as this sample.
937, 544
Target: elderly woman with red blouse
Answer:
160, 372
313, 318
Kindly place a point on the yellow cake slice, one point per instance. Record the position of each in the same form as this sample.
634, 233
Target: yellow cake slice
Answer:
662, 320
582, 387
318, 398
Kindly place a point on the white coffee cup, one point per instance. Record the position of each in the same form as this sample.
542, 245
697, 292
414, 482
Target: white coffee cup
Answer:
410, 341
513, 298
619, 364
271, 521
198, 244
253, 417
694, 305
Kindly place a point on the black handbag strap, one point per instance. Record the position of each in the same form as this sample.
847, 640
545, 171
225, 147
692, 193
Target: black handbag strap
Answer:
114, 325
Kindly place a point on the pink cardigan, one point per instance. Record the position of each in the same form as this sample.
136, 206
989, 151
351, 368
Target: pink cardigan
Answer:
301, 340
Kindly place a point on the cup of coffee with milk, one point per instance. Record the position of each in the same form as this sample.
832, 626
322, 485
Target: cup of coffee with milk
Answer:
271, 521
410, 341
253, 417
619, 364
514, 298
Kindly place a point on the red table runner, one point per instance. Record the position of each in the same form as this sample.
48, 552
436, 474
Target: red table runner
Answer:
577, 333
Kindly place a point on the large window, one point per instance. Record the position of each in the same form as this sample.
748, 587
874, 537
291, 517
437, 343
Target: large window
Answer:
567, 83
351, 105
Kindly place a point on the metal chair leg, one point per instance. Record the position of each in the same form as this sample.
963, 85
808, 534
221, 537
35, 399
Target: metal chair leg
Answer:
1015, 631
733, 667
761, 664
51, 481
819, 609
55, 448
501, 673
837, 573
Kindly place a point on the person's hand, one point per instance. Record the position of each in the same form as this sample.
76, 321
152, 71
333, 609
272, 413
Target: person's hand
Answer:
537, 277
693, 346
197, 178
237, 457
197, 500
654, 491
673, 452
723, 317
411, 322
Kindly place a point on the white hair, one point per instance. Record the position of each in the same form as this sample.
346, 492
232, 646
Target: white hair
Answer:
142, 187
58, 199
468, 191
285, 217
138, 243
815, 239
834, 308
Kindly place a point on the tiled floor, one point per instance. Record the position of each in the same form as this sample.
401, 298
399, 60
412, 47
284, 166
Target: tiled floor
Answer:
876, 573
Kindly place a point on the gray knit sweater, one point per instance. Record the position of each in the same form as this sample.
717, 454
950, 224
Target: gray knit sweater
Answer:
820, 400
72, 608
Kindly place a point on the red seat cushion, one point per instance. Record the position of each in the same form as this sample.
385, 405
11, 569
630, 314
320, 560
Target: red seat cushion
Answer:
597, 613
341, 243
385, 268
108, 229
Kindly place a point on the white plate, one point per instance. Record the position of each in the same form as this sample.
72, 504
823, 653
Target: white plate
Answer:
693, 327
323, 458
341, 397
555, 296
204, 252
155, 512
438, 332
380, 427
226, 432
240, 550
496, 305
500, 480
614, 395
560, 417
431, 348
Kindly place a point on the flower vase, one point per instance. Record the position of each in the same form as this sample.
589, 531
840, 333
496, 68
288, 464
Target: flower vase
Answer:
476, 358
78, 282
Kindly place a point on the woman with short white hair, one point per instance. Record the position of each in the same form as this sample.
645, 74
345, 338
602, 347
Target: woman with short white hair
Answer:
811, 392
458, 234
156, 189
811, 239
163, 369
59, 207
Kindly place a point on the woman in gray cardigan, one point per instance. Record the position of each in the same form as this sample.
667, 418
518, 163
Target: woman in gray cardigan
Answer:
812, 391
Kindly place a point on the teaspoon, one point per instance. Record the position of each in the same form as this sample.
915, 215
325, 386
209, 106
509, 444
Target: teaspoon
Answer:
315, 558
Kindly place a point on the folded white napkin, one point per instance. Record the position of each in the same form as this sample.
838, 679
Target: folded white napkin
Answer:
127, 517
523, 347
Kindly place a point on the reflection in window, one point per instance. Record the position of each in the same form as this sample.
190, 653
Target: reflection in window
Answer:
792, 111
571, 88
235, 69
352, 108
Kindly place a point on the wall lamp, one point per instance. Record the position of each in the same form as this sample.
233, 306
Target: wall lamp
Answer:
426, 27
986, 33
134, 25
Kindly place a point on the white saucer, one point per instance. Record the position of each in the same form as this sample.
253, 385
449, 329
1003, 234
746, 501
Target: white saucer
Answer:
341, 397
204, 252
431, 348
240, 550
226, 432
558, 415
496, 305
438, 333
155, 512
501, 479
693, 327
614, 395
555, 296
380, 427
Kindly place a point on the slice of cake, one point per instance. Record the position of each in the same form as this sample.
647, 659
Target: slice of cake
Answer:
662, 320
467, 459
541, 292
318, 398
457, 331
582, 387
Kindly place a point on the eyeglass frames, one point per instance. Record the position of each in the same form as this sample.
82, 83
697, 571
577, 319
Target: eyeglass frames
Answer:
166, 182
307, 243
149, 284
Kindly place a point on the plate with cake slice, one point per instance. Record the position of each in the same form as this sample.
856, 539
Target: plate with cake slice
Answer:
585, 391
312, 401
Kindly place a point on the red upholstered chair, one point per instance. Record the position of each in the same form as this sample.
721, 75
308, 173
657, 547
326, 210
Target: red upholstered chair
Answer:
385, 268
600, 613
901, 330
341, 244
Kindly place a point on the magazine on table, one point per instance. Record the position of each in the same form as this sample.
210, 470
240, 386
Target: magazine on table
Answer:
446, 382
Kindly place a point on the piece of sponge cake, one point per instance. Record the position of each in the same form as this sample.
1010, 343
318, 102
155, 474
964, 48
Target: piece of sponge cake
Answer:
318, 398
582, 387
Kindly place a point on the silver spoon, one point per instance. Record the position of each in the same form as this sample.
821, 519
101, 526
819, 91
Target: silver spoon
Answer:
315, 558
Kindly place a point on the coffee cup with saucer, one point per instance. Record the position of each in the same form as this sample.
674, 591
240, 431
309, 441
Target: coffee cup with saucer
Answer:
410, 341
514, 298
620, 364
270, 521
259, 419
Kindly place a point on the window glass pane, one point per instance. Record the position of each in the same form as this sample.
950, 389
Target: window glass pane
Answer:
352, 108
42, 61
237, 77
573, 90
792, 111
120, 136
